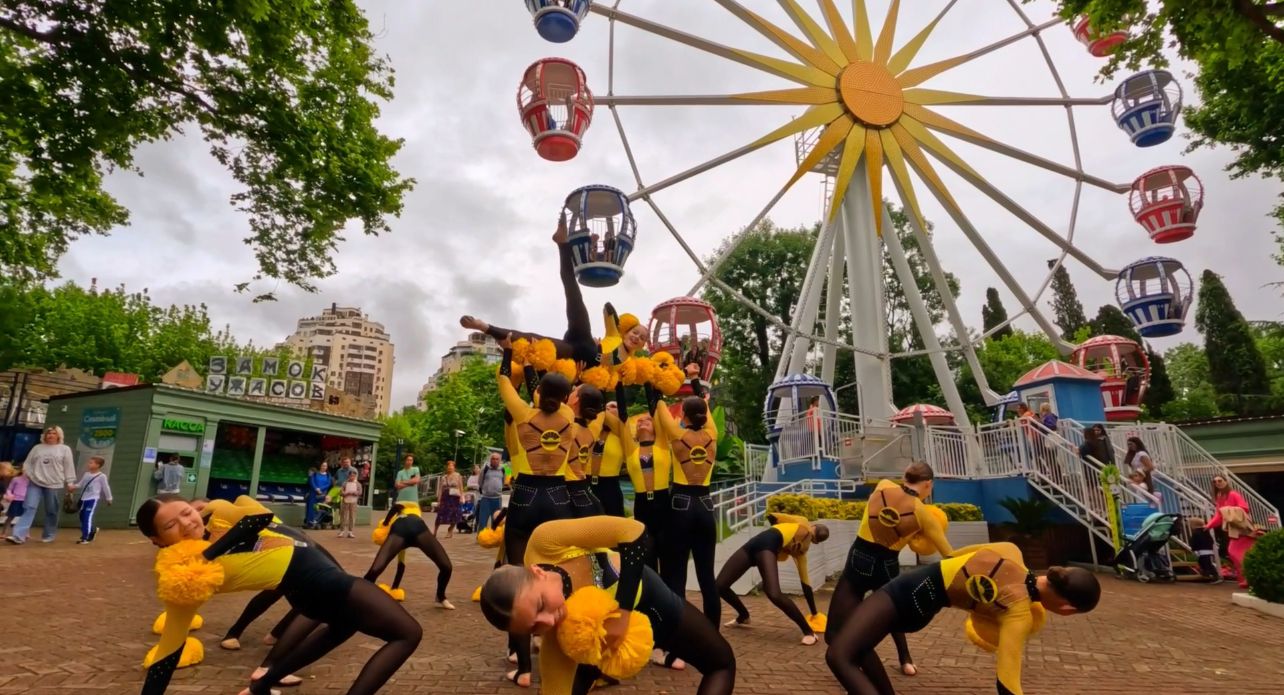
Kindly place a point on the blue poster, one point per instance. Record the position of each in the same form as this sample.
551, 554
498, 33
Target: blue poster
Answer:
97, 436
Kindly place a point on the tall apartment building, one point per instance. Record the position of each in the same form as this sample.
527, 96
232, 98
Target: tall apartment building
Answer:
477, 345
356, 350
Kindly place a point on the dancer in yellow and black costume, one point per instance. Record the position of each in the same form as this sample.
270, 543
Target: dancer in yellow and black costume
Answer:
595, 424
240, 551
1005, 601
693, 529
894, 516
612, 448
544, 597
624, 336
790, 536
649, 469
404, 528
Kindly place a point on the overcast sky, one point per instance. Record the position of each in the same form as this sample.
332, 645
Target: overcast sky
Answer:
474, 237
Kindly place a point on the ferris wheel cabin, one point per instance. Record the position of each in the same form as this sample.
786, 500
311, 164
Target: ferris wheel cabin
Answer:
687, 328
931, 415
556, 107
1155, 293
602, 233
1146, 107
558, 21
1166, 202
1099, 45
1125, 369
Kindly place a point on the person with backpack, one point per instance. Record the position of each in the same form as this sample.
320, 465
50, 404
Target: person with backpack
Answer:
93, 487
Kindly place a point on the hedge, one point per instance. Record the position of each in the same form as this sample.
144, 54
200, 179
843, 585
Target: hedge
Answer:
1264, 567
818, 508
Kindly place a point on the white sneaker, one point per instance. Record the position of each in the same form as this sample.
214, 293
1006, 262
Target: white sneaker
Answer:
46, 540
445, 603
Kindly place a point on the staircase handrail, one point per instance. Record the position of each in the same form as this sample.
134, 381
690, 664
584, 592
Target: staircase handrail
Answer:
743, 514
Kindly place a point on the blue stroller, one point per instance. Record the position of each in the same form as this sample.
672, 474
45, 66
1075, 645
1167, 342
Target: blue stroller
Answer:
1145, 554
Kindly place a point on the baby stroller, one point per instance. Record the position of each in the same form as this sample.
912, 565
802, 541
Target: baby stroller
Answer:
1145, 554
325, 515
467, 515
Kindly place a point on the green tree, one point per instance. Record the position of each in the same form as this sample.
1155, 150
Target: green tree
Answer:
1065, 303
1187, 368
1005, 360
401, 433
1111, 321
1238, 48
1160, 392
993, 313
1235, 364
465, 402
1270, 341
285, 93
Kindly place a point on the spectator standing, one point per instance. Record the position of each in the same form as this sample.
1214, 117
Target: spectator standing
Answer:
450, 491
343, 472
407, 482
50, 470
351, 491
15, 493
319, 484
169, 476
491, 487
93, 488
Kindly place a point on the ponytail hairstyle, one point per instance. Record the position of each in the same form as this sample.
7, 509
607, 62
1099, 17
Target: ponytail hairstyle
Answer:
696, 411
592, 402
1077, 586
499, 593
554, 389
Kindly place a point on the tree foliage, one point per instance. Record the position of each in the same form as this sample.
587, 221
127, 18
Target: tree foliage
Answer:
1007, 359
1236, 368
1110, 320
1238, 47
1066, 306
1160, 392
993, 313
283, 92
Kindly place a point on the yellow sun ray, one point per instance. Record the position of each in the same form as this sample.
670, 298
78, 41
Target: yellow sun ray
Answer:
932, 97
883, 48
902, 58
813, 117
919, 75
787, 41
819, 38
909, 142
833, 134
874, 170
853, 148
800, 96
838, 28
864, 42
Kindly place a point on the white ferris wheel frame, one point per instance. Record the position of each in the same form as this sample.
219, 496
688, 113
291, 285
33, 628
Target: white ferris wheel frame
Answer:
841, 237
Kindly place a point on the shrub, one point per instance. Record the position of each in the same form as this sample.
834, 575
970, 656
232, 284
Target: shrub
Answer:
961, 511
816, 508
1264, 567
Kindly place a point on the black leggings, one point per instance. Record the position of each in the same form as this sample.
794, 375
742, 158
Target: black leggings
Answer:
760, 552
577, 343
535, 500
693, 532
851, 654
411, 532
255, 609
652, 509
869, 567
607, 491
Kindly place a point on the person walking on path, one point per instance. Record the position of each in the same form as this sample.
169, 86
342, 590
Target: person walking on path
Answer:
93, 487
51, 470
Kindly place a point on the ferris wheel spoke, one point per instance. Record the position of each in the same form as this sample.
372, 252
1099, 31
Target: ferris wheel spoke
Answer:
830, 137
883, 47
935, 121
809, 55
939, 97
813, 117
802, 74
954, 162
838, 28
853, 148
864, 41
815, 33
799, 96
874, 170
916, 76
902, 58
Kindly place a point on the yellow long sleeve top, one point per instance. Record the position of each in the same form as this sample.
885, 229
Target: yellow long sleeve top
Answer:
658, 471
613, 447
580, 464
798, 534
544, 440
990, 581
694, 452
892, 515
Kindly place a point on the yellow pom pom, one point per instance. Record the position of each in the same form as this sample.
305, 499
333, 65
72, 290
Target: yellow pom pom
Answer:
628, 322
159, 625
521, 351
668, 380
636, 371
663, 359
193, 654
490, 538
184, 577
543, 355
582, 634
566, 368
818, 622
477, 595
921, 545
379, 534
600, 378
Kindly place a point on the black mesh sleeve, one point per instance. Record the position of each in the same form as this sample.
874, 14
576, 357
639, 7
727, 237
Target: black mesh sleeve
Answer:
506, 362
633, 557
159, 673
246, 528
652, 399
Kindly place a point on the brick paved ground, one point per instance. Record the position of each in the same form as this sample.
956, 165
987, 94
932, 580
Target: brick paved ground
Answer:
77, 619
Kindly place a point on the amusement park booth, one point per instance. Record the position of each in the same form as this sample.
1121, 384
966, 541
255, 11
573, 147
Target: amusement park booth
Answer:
1072, 391
228, 446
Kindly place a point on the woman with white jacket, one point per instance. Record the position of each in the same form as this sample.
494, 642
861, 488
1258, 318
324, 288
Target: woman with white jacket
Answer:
51, 468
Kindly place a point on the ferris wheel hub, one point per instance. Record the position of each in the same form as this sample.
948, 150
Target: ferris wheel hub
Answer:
871, 94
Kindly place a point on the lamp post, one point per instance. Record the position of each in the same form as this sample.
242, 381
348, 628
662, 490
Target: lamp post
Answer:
458, 434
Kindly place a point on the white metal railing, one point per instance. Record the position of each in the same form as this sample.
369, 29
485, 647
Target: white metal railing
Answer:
814, 436
756, 458
740, 511
1005, 449
945, 449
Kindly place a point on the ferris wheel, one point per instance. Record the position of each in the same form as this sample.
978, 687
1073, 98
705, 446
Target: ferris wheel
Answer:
872, 123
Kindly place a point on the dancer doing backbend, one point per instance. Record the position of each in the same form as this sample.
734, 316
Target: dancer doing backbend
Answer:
1006, 603
693, 530
625, 335
894, 514
402, 529
564, 556
789, 536
544, 438
252, 556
